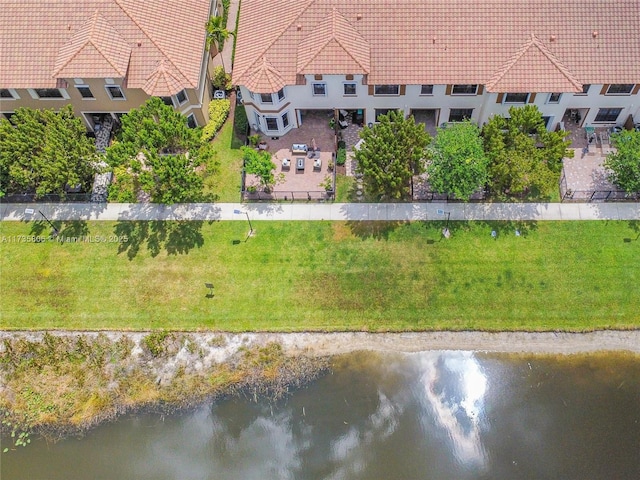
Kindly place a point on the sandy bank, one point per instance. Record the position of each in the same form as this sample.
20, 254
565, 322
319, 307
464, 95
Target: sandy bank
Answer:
336, 343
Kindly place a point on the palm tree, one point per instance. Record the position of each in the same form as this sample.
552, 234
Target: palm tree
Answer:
217, 33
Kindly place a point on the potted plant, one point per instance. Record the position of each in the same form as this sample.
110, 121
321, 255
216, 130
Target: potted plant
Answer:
254, 140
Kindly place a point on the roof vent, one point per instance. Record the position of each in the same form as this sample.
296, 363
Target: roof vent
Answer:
299, 27
552, 38
69, 26
594, 34
359, 16
139, 43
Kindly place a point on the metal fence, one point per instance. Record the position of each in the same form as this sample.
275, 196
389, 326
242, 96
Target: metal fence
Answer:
33, 198
586, 196
318, 196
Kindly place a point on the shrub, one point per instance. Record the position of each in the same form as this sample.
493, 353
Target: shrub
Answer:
218, 113
341, 156
221, 79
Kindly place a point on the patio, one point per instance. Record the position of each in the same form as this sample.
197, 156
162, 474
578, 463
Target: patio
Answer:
306, 180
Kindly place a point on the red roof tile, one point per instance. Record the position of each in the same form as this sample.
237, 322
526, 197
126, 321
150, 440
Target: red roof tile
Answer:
40, 41
446, 41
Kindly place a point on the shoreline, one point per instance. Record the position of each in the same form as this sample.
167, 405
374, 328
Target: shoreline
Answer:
338, 343
61, 383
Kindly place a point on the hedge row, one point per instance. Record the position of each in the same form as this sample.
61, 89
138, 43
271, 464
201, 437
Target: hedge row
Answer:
218, 113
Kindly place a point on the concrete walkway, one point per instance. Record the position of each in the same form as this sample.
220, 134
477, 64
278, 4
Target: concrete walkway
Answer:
322, 211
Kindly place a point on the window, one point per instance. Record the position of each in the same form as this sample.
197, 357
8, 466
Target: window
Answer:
281, 94
386, 90
585, 89
191, 121
272, 123
285, 119
319, 88
85, 91
382, 111
608, 115
349, 88
460, 114
620, 89
181, 97
426, 90
462, 89
48, 93
8, 94
115, 92
266, 98
167, 101
554, 98
516, 98
8, 115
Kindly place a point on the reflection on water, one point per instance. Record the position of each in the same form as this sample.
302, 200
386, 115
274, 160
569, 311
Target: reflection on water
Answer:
431, 415
454, 387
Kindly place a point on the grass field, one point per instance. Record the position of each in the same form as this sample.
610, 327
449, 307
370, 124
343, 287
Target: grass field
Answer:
225, 184
321, 275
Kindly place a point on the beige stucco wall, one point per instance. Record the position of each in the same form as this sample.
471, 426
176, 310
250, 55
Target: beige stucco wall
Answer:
102, 102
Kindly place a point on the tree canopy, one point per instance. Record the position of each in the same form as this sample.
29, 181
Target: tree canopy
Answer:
457, 163
259, 163
157, 155
392, 152
624, 163
45, 152
523, 155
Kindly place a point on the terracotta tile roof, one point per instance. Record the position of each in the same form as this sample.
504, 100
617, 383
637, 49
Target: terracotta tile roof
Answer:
164, 81
42, 41
95, 50
333, 44
446, 41
533, 63
265, 78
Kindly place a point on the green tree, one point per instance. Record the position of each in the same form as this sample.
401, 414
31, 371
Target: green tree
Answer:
523, 156
217, 33
45, 152
158, 155
392, 152
457, 163
259, 163
624, 164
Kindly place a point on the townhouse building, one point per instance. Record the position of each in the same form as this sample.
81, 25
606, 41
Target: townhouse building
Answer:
440, 60
105, 57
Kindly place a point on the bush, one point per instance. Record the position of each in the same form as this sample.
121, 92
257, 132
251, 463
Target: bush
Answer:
218, 113
341, 156
221, 80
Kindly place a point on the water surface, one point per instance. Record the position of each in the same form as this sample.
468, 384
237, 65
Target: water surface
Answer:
431, 415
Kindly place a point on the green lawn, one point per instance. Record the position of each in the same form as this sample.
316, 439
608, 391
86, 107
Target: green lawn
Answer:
225, 183
323, 275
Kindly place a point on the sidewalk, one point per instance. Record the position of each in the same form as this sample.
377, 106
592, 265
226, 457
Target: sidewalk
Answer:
323, 211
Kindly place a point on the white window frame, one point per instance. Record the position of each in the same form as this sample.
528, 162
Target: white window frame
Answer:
453, 87
620, 93
608, 121
511, 102
186, 97
13, 93
92, 97
266, 124
115, 99
426, 94
262, 98
584, 92
459, 109
195, 120
34, 94
355, 88
375, 87
278, 93
554, 102
319, 84
282, 117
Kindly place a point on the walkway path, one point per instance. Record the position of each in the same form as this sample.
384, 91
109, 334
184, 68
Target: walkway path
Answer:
323, 211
